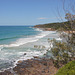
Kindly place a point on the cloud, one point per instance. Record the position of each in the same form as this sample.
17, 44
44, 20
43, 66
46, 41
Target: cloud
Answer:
41, 18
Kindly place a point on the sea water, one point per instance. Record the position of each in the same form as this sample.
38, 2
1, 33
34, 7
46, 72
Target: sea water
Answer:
17, 43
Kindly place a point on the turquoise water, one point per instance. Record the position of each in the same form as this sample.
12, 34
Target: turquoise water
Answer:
11, 33
17, 40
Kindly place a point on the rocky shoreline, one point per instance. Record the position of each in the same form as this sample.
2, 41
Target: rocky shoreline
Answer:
50, 29
36, 66
45, 29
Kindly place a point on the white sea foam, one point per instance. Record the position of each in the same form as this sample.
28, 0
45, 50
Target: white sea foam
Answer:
30, 54
23, 41
58, 39
38, 29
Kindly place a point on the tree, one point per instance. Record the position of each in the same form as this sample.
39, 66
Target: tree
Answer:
65, 51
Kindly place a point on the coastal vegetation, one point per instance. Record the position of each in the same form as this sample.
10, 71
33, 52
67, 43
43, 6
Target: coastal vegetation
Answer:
65, 26
56, 26
63, 51
68, 69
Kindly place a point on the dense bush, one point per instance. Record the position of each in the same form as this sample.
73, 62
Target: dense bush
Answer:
68, 69
56, 26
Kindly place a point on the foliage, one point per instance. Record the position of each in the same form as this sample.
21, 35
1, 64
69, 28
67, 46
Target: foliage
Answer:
56, 26
70, 17
60, 52
65, 51
56, 64
68, 69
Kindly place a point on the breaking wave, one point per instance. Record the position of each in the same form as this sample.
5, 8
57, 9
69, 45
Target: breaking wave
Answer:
23, 41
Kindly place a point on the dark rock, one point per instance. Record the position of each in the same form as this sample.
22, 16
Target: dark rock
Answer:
24, 53
35, 57
34, 66
6, 73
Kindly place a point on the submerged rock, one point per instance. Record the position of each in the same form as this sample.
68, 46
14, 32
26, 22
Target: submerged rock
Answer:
24, 53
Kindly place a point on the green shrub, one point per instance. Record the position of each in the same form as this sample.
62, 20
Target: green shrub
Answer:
68, 69
56, 64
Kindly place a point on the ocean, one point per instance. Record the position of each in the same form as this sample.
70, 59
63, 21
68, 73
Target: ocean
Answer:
17, 43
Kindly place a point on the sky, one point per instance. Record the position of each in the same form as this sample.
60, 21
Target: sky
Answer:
30, 12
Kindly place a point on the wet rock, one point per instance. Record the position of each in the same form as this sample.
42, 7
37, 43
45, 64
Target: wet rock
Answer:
6, 73
33, 67
35, 57
19, 61
24, 53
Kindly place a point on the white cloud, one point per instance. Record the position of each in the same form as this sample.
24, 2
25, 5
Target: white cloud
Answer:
41, 18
